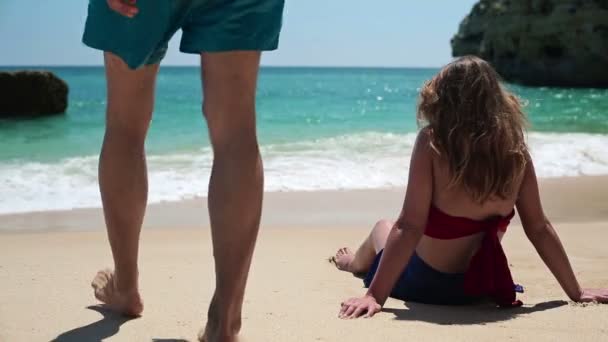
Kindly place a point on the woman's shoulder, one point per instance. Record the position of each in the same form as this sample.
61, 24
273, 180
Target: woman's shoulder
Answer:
424, 143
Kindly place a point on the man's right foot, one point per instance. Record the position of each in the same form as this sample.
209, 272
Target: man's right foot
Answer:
105, 290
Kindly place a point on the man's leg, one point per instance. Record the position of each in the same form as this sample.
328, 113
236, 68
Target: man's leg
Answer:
123, 179
236, 187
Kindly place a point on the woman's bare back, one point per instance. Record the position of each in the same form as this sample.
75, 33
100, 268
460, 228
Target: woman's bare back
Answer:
454, 255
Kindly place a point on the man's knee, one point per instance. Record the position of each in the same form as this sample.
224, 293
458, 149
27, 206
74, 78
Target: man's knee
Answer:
131, 132
232, 132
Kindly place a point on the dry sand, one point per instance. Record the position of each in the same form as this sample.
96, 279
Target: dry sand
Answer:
47, 261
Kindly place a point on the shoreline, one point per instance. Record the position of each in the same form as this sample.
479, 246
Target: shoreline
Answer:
567, 200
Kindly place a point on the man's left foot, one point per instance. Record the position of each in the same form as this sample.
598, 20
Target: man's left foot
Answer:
212, 331
209, 334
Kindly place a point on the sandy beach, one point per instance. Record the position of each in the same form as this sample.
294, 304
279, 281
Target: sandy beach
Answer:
48, 259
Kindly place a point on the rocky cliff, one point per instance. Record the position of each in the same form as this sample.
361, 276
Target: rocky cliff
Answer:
32, 93
540, 42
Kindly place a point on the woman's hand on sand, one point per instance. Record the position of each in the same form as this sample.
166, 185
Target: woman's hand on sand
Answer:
594, 295
365, 306
128, 8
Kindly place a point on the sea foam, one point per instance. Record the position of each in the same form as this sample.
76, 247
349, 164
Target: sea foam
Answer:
356, 161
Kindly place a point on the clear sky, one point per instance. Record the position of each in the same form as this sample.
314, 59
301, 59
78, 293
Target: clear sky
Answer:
315, 33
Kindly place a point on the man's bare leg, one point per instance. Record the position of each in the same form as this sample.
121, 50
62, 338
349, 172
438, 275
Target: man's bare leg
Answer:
123, 180
236, 187
360, 261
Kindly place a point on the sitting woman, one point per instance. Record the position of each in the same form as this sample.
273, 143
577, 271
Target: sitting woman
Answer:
469, 168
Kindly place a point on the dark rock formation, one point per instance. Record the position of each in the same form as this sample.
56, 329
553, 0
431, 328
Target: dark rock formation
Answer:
540, 42
32, 93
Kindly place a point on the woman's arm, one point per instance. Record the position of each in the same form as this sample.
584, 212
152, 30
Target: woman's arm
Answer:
404, 236
546, 241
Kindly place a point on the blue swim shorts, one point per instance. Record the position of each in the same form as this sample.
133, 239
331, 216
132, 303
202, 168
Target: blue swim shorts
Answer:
421, 283
207, 25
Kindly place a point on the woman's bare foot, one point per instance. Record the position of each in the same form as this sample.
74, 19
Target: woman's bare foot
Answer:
105, 290
343, 259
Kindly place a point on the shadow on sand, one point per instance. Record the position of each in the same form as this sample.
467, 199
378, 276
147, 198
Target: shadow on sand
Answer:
464, 315
106, 327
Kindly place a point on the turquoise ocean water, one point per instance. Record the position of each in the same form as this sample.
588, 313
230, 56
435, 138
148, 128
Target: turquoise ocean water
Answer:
320, 128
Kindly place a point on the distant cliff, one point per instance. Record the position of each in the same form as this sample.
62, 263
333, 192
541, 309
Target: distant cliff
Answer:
540, 42
32, 93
